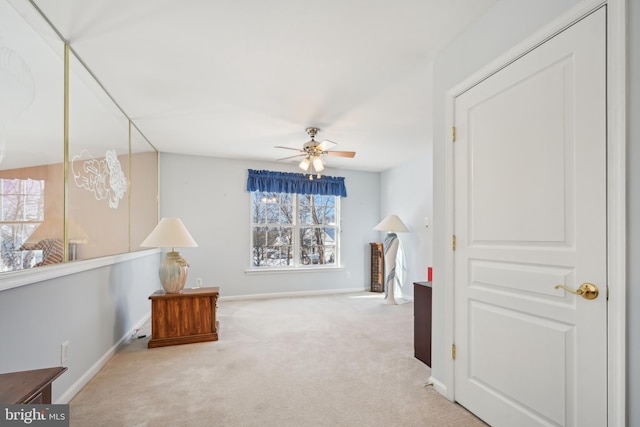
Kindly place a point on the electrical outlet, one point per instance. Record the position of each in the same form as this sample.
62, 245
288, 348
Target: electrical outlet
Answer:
199, 281
348, 274
64, 351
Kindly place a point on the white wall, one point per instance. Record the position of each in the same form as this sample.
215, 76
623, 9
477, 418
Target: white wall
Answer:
407, 192
505, 25
209, 195
93, 310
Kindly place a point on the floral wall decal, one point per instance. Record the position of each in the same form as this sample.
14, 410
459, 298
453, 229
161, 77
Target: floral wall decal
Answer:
103, 177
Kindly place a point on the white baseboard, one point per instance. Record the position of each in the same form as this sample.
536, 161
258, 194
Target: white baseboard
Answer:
438, 386
292, 294
75, 388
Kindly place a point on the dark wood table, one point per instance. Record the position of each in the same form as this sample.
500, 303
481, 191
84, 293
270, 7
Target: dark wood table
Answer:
28, 386
183, 318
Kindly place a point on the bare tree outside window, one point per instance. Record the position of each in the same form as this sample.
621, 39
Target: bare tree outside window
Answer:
290, 230
22, 211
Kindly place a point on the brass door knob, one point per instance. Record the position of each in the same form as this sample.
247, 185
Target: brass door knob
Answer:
586, 290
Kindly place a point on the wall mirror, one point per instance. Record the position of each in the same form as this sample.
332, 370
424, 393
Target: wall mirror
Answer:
144, 189
31, 141
47, 217
98, 169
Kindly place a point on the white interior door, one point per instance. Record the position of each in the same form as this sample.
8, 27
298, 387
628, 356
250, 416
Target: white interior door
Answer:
530, 214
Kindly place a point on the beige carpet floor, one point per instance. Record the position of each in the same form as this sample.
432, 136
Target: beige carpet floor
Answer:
338, 360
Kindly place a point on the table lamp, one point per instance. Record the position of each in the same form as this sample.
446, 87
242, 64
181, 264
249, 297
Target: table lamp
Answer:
171, 233
391, 224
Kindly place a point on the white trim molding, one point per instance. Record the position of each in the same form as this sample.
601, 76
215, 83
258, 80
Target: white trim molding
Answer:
16, 279
616, 210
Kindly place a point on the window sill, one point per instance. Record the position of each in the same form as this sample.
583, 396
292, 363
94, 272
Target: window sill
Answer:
293, 270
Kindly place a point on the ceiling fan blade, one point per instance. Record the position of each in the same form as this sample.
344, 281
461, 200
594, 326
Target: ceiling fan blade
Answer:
325, 144
291, 157
287, 148
350, 154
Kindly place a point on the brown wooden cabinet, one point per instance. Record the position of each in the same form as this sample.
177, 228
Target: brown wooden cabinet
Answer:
183, 318
377, 267
422, 302
28, 386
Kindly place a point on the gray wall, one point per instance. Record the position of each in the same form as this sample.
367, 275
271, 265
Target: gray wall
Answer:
209, 195
407, 192
633, 213
93, 310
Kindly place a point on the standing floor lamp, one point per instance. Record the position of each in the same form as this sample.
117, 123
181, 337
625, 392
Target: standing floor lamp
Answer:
391, 225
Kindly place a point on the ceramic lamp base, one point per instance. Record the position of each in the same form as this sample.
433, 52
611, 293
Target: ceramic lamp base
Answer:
173, 273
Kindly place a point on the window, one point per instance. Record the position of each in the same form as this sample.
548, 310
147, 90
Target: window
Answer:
294, 230
22, 211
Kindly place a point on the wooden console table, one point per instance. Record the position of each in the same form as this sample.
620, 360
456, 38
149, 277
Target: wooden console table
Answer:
422, 300
28, 386
183, 318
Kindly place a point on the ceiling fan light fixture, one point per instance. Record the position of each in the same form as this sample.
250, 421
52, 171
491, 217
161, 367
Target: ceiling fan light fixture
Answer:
318, 164
304, 164
312, 152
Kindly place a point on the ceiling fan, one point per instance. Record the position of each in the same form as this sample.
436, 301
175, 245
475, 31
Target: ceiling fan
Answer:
312, 152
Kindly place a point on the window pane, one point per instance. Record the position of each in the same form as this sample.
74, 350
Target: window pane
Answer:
304, 215
259, 245
10, 186
329, 235
259, 213
308, 255
306, 237
273, 213
11, 207
318, 215
286, 214
285, 241
272, 246
329, 254
280, 256
329, 215
286, 199
34, 207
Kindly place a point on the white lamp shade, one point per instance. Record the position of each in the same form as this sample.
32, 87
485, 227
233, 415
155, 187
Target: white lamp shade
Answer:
318, 165
304, 164
392, 223
169, 233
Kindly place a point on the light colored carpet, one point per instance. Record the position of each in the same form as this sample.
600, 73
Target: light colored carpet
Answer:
338, 360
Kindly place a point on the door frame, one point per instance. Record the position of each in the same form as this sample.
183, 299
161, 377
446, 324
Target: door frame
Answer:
616, 187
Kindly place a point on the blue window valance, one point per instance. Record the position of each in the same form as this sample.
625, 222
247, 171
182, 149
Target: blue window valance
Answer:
298, 183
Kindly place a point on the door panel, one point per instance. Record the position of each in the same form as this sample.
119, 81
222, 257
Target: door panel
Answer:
530, 205
525, 189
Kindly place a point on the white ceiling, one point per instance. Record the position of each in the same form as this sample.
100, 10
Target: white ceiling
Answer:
234, 78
